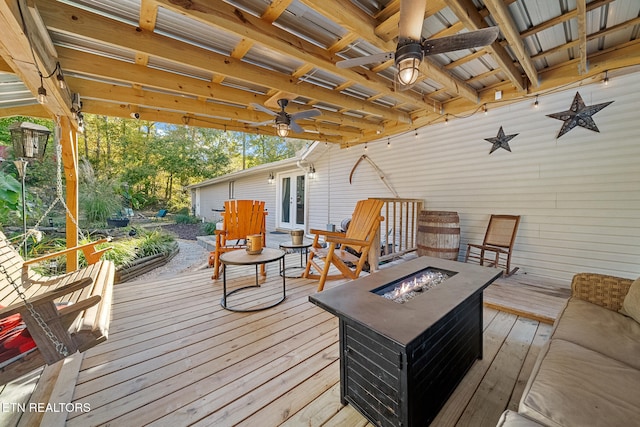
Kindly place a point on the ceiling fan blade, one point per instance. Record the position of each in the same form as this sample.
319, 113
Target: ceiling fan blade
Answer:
263, 109
365, 60
268, 122
468, 40
411, 19
305, 114
295, 127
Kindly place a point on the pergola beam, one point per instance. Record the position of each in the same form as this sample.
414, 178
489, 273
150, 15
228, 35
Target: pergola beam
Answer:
350, 18
67, 19
184, 105
111, 109
19, 46
503, 18
466, 12
92, 67
581, 8
230, 19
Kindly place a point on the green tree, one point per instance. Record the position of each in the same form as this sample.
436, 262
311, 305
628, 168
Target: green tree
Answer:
148, 163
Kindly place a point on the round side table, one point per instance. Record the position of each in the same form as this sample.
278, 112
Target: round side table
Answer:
303, 248
241, 257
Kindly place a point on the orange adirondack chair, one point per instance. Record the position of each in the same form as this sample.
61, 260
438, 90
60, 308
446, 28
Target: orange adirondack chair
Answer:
360, 237
240, 219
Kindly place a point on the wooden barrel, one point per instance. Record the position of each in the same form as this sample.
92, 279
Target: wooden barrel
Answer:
439, 234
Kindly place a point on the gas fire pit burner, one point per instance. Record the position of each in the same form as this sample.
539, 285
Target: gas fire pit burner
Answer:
408, 288
399, 363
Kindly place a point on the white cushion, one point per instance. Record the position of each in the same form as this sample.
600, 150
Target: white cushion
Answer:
600, 329
574, 386
631, 303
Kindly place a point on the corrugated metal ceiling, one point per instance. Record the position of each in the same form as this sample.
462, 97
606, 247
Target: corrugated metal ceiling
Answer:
309, 78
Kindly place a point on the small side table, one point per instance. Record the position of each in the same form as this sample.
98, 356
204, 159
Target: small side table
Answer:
304, 252
241, 257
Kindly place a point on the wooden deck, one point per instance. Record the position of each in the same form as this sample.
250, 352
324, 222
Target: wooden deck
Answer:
175, 358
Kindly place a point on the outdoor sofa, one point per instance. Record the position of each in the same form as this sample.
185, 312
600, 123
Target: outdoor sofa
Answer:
588, 372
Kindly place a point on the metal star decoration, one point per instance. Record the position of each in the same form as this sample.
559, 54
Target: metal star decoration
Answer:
501, 141
578, 115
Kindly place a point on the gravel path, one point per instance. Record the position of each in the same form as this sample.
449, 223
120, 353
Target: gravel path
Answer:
190, 257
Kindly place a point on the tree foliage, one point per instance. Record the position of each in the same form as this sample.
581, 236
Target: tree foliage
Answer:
141, 164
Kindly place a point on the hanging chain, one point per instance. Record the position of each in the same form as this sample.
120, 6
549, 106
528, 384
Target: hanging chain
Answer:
59, 189
59, 193
59, 346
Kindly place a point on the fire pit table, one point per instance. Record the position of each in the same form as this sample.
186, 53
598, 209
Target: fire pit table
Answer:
401, 357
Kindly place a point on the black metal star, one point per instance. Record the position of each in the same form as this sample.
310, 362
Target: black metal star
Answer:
578, 115
501, 141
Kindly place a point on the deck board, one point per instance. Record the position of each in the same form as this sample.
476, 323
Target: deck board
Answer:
529, 296
175, 357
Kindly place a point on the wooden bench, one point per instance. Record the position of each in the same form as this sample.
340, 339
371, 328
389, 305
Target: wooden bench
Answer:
80, 325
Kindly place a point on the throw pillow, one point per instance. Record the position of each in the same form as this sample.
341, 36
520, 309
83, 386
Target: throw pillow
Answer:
631, 303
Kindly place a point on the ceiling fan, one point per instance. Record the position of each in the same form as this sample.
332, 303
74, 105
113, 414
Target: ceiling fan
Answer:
285, 121
412, 48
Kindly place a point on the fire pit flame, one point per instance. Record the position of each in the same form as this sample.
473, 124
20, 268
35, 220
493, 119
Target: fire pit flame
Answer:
411, 287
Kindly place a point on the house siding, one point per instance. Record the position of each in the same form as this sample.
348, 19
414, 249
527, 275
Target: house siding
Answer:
579, 195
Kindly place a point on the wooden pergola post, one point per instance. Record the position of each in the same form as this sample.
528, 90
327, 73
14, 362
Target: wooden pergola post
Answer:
69, 142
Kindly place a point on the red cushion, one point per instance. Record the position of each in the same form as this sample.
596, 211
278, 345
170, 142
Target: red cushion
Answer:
15, 339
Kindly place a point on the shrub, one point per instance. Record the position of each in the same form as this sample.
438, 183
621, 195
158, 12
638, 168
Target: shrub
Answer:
183, 211
155, 242
186, 219
209, 228
122, 252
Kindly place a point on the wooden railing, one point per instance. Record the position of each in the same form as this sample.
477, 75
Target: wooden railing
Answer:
399, 229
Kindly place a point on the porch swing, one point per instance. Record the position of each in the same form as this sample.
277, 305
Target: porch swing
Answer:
44, 319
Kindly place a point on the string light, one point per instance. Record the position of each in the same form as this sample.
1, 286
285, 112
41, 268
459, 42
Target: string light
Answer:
365, 146
60, 77
389, 142
446, 119
42, 92
606, 77
536, 104
484, 109
416, 135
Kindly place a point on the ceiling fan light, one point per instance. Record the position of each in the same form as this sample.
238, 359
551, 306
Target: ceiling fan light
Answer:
282, 129
408, 71
408, 59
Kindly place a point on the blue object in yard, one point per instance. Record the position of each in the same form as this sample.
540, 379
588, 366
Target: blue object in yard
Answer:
161, 213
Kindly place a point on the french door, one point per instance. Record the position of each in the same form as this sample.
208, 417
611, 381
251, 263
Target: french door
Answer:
291, 200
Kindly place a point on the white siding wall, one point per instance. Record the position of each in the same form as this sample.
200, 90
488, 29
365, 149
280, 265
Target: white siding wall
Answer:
253, 187
579, 196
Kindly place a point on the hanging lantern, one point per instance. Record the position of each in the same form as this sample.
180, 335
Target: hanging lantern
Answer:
29, 140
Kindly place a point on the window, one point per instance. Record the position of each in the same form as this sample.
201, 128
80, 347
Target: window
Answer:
232, 189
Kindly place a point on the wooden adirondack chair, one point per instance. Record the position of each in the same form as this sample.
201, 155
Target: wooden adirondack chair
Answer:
360, 237
496, 248
74, 309
239, 219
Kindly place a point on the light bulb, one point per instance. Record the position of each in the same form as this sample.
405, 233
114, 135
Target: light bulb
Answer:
42, 95
61, 83
282, 129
